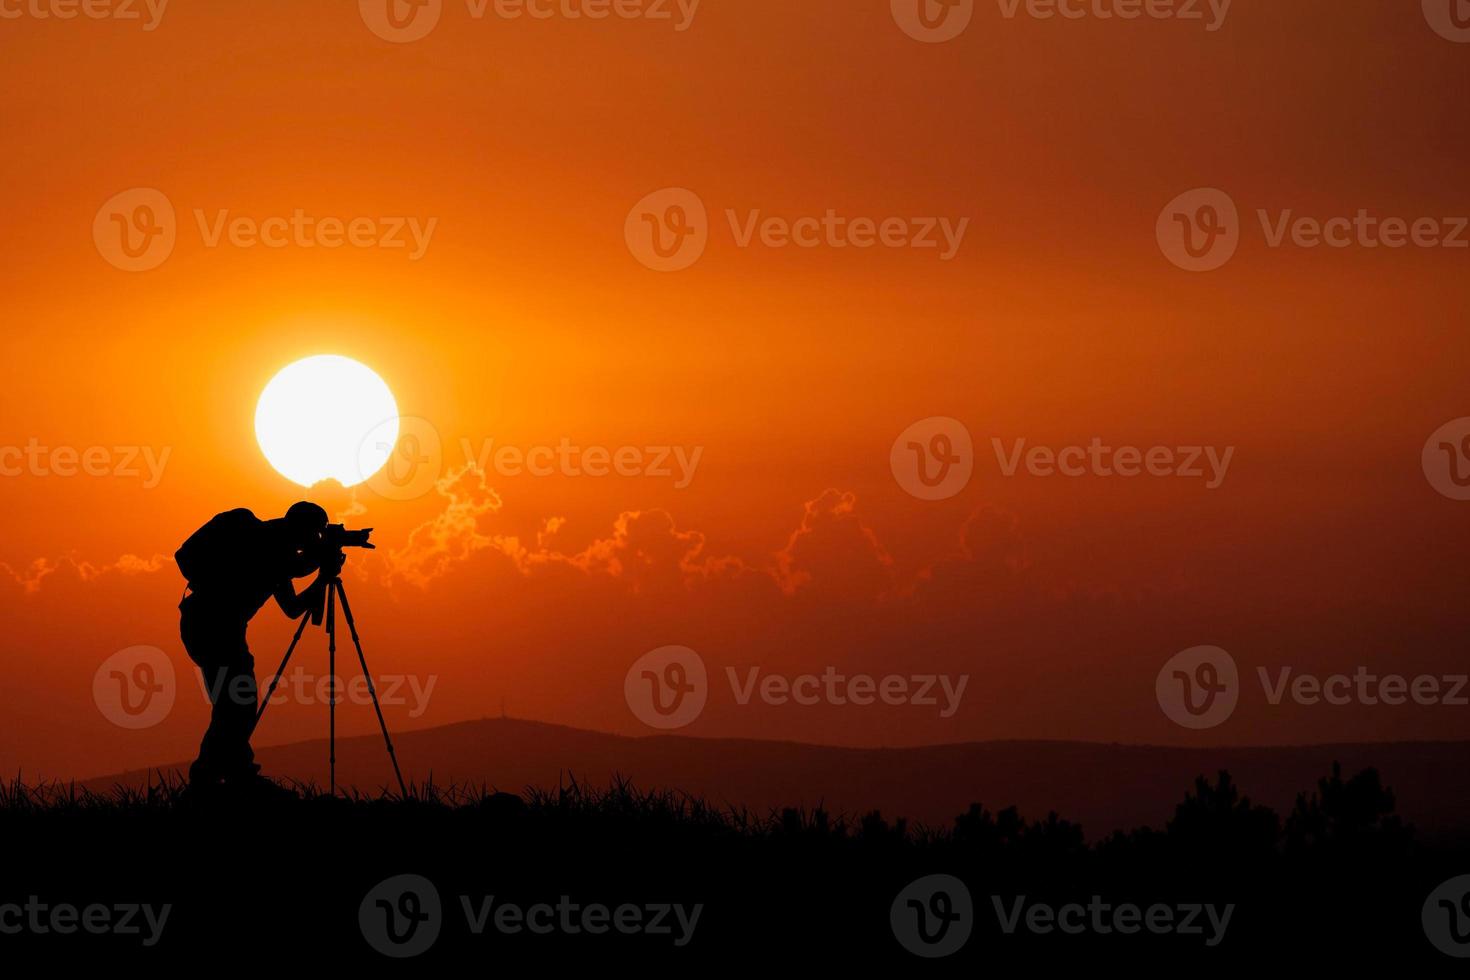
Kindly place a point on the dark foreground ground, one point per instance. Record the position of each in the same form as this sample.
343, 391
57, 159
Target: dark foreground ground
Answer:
450, 878
1103, 786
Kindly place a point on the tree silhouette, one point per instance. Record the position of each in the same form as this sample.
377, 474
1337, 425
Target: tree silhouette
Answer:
978, 829
1346, 814
1216, 816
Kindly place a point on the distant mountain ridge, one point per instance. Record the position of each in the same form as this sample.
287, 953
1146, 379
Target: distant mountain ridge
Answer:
1101, 786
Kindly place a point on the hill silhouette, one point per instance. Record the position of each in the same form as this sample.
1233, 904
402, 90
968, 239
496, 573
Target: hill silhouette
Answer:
1102, 787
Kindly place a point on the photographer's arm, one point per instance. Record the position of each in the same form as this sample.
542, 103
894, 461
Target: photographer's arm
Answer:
302, 565
296, 604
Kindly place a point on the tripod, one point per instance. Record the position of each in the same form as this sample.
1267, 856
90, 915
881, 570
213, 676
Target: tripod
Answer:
335, 594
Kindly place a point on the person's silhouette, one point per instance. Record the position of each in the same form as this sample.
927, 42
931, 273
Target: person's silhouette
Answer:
233, 564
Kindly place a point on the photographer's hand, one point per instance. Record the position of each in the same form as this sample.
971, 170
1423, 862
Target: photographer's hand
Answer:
315, 597
295, 604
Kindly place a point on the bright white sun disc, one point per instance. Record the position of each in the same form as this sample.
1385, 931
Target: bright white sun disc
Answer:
326, 418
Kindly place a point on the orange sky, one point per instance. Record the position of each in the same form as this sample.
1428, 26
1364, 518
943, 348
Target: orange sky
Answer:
528, 321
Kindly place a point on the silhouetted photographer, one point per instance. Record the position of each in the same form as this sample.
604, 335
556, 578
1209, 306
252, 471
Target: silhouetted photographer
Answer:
233, 564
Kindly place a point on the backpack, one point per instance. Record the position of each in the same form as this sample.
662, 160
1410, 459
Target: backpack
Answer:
213, 551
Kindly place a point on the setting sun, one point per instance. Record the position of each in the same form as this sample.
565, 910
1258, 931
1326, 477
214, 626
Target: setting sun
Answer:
326, 417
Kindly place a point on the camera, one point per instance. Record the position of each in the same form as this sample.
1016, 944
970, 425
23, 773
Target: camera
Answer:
327, 549
336, 537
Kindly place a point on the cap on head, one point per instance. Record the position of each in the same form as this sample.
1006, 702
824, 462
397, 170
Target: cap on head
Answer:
306, 516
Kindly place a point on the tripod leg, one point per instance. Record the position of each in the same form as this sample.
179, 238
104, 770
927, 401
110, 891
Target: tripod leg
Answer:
332, 688
279, 671
372, 690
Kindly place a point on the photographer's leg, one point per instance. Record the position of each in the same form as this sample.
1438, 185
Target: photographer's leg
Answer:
244, 702
229, 680
234, 713
207, 768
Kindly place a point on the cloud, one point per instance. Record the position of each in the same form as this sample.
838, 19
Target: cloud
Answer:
990, 570
31, 578
648, 552
833, 552
451, 536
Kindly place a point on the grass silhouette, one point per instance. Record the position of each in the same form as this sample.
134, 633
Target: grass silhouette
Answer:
1338, 876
